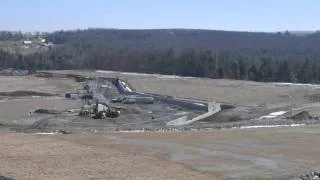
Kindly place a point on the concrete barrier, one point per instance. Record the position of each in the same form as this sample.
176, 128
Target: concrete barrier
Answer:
213, 108
126, 90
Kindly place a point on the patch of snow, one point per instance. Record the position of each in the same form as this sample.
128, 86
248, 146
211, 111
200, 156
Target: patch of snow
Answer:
135, 74
142, 74
46, 133
132, 131
36, 96
168, 76
279, 113
267, 117
53, 97
101, 71
273, 115
269, 126
199, 104
316, 86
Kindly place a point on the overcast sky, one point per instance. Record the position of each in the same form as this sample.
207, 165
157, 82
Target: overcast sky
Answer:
239, 15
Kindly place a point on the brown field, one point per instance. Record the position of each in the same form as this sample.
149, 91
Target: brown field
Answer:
262, 153
32, 83
13, 108
272, 153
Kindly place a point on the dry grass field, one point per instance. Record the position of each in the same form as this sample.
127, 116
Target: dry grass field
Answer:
271, 153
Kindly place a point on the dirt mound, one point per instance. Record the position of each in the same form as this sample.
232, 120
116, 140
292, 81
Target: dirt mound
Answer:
24, 93
304, 115
46, 111
44, 75
59, 131
77, 78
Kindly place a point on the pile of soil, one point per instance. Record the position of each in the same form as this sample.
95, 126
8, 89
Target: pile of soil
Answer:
24, 93
304, 115
77, 78
44, 75
46, 111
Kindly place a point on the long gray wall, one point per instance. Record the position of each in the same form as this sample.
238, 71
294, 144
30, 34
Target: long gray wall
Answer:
169, 100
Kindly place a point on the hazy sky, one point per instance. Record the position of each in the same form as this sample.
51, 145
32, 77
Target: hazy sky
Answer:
240, 15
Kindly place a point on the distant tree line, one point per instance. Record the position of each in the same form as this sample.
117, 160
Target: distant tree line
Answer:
18, 35
278, 57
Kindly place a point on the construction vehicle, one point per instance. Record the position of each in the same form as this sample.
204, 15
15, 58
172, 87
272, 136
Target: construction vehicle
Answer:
98, 111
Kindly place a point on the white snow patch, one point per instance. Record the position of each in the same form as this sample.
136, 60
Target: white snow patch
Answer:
46, 133
101, 71
135, 74
199, 104
273, 115
269, 126
53, 97
316, 86
279, 113
132, 131
36, 96
142, 74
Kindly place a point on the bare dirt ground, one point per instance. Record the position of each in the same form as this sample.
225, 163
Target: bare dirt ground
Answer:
262, 153
26, 156
32, 83
14, 108
271, 153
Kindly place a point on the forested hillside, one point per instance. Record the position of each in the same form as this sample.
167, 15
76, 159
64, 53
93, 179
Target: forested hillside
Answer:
202, 53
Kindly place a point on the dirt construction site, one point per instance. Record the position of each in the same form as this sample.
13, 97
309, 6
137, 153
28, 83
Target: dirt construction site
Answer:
116, 125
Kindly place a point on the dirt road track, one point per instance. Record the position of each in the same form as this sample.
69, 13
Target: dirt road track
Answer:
270, 153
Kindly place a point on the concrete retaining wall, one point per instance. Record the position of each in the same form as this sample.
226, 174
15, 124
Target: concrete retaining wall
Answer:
213, 108
175, 101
